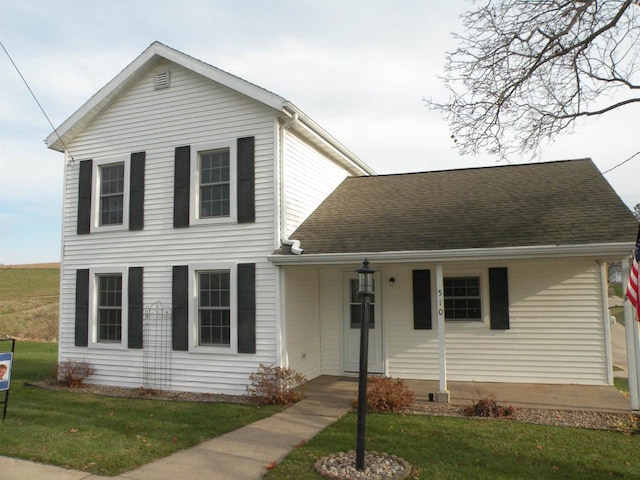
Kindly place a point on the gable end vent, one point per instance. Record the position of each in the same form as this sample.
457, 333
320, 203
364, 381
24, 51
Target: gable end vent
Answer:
163, 80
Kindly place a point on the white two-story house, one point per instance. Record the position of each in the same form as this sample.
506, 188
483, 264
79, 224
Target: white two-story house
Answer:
211, 226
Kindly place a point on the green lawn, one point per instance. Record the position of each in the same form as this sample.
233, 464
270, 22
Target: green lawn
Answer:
101, 435
458, 448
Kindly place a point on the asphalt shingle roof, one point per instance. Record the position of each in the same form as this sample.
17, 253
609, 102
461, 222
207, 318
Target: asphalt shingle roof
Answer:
555, 203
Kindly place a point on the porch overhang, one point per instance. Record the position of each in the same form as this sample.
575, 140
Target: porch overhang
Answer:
601, 251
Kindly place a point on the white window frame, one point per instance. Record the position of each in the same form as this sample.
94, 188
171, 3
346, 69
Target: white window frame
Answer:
94, 273
194, 200
95, 193
194, 290
484, 319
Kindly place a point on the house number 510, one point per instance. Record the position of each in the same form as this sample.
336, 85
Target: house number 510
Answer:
440, 306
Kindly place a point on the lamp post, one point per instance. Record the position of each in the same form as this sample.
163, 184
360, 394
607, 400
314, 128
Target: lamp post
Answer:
365, 290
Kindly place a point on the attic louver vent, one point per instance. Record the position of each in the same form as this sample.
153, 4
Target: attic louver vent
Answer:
163, 79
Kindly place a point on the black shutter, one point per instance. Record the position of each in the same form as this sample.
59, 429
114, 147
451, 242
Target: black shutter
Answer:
82, 308
84, 197
182, 180
422, 300
499, 298
247, 308
135, 311
180, 303
136, 192
246, 180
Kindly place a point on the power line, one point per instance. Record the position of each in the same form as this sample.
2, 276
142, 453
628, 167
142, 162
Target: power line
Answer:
621, 163
35, 98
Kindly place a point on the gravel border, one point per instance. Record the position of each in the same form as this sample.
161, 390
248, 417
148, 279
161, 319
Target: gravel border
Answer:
595, 420
377, 466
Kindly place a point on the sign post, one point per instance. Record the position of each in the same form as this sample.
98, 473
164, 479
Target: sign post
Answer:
6, 360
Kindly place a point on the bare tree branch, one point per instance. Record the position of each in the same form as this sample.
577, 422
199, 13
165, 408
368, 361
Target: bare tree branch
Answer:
526, 70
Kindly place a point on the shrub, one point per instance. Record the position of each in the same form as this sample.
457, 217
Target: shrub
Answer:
271, 385
488, 407
384, 394
73, 372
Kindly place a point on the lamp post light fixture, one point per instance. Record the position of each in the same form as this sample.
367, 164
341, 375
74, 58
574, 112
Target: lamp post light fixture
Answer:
365, 280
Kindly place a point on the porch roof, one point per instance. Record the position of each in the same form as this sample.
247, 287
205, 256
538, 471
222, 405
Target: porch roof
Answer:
559, 203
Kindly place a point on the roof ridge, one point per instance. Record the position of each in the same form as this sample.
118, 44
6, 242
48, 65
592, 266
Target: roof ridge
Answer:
486, 167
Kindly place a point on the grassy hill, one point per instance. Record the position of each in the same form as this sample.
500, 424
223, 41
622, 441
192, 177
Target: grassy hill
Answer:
29, 301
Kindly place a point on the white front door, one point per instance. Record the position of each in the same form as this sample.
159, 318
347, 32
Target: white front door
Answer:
351, 323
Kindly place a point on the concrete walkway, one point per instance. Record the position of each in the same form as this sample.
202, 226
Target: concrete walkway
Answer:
241, 454
245, 453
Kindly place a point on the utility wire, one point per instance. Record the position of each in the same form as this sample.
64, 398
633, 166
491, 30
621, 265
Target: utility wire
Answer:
35, 98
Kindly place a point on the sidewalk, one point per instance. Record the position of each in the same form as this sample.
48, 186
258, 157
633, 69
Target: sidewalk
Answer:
241, 454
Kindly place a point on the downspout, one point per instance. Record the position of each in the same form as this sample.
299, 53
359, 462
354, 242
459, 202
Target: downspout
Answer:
282, 353
294, 244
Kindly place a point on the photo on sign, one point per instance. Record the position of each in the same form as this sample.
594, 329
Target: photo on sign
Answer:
5, 370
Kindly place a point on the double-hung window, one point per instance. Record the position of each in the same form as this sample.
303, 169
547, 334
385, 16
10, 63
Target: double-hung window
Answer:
111, 210
109, 308
214, 308
213, 180
111, 195
462, 299
215, 173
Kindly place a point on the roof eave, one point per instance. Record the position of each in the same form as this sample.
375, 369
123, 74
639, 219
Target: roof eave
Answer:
358, 167
604, 251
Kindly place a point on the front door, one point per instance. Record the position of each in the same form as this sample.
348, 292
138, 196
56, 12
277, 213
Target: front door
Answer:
352, 328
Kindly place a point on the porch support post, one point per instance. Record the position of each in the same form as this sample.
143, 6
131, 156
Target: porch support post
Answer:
606, 318
442, 394
282, 355
633, 344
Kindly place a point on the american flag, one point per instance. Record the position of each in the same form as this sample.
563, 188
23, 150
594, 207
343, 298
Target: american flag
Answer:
632, 286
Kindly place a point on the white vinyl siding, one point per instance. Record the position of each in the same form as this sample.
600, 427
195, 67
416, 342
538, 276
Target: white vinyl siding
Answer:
309, 178
303, 321
191, 111
556, 332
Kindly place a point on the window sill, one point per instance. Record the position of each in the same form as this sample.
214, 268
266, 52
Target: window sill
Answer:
108, 346
213, 350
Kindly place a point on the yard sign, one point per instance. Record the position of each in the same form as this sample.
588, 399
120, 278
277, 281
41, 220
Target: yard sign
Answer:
5, 370
6, 360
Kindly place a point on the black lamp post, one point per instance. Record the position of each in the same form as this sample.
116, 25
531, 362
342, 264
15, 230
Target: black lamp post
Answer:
365, 278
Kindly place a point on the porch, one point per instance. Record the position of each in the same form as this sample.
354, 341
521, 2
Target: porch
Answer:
523, 395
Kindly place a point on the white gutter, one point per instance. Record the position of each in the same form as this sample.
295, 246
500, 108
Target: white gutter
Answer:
294, 244
312, 128
597, 250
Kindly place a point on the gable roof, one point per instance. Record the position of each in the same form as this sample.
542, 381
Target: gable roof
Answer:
541, 204
153, 55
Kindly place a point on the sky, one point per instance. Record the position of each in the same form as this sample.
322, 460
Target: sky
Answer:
360, 68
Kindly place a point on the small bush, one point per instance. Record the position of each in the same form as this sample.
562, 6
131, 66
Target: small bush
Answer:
74, 372
488, 407
271, 385
384, 394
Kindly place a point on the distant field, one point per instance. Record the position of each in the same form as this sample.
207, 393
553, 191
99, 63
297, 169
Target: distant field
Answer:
29, 301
